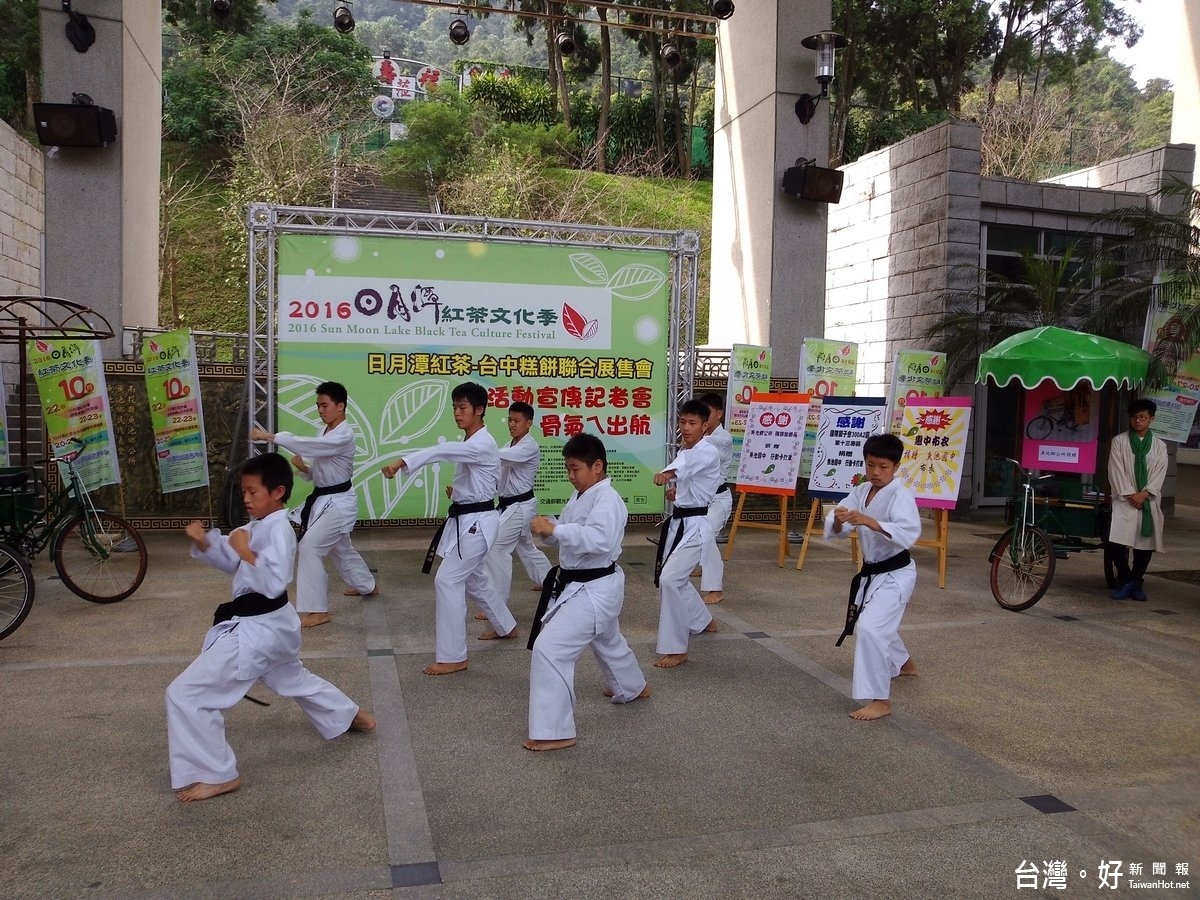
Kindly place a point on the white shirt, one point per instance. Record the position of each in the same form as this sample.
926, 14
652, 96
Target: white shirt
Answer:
518, 466
274, 545
476, 465
723, 441
591, 527
894, 508
698, 474
329, 456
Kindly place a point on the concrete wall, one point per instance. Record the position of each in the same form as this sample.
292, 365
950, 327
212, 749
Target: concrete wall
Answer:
767, 281
907, 223
1145, 172
102, 203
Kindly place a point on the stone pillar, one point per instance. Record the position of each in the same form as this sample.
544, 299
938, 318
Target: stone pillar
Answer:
102, 203
768, 249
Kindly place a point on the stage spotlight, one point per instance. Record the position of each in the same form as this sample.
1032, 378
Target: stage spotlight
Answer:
670, 56
565, 43
220, 9
722, 9
343, 19
459, 32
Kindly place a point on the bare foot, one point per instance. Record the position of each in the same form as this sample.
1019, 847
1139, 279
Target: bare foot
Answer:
563, 744
480, 617
363, 721
351, 592
909, 668
608, 692
490, 635
711, 626
312, 620
671, 660
711, 597
445, 668
202, 791
876, 709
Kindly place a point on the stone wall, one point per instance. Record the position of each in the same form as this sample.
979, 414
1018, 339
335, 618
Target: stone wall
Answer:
1145, 172
22, 205
907, 223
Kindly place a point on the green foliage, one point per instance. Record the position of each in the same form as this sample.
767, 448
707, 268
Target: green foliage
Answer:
869, 130
441, 135
194, 18
20, 61
513, 99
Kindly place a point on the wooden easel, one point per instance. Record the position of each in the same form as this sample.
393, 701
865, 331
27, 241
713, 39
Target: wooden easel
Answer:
814, 515
782, 528
940, 543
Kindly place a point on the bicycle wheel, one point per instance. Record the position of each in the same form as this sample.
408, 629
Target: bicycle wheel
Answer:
100, 557
1039, 428
16, 590
1021, 573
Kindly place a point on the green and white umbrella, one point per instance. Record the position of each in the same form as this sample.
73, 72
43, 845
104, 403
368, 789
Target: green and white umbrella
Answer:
1063, 357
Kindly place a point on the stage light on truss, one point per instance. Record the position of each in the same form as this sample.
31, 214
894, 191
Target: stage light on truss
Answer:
220, 9
670, 55
459, 32
343, 19
565, 42
721, 9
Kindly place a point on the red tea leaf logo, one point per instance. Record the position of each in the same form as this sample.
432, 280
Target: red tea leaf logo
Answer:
153, 347
42, 346
577, 325
933, 361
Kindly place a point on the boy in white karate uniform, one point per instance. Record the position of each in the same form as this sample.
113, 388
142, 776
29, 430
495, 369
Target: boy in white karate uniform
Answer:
696, 472
585, 610
329, 512
464, 537
892, 526
712, 566
256, 636
519, 461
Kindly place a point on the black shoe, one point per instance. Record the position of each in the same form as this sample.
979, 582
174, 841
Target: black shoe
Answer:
1137, 593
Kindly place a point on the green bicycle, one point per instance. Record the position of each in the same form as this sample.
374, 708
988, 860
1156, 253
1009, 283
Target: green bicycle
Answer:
99, 556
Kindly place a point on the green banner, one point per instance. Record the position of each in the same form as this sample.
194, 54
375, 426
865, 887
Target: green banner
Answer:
579, 333
176, 416
749, 374
915, 374
827, 368
70, 383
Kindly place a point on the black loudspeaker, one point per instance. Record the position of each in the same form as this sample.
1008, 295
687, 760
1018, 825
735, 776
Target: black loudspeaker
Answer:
813, 183
74, 125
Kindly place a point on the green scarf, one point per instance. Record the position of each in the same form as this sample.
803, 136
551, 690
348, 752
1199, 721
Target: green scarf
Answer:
1141, 475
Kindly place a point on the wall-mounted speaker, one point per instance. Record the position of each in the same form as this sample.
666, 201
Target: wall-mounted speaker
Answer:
810, 182
74, 125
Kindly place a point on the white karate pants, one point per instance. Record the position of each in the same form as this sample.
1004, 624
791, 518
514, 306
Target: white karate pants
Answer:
878, 651
514, 527
328, 535
456, 579
196, 745
588, 617
712, 575
681, 611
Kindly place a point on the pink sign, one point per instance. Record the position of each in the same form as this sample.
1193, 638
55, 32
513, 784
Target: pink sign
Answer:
1060, 429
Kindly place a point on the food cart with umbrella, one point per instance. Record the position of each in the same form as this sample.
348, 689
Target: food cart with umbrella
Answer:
1062, 372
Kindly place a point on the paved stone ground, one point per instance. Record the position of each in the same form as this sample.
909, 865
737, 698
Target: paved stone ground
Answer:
1068, 732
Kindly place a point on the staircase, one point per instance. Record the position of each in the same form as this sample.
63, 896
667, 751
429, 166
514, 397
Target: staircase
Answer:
365, 190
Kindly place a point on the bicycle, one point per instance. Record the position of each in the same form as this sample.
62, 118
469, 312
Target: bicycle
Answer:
1042, 426
98, 555
1023, 559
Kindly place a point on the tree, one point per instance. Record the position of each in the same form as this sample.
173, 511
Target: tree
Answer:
20, 63
1041, 38
195, 19
1059, 291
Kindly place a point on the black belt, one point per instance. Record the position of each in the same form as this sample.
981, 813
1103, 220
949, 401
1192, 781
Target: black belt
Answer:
723, 488
455, 510
552, 585
325, 491
249, 604
506, 502
679, 512
868, 570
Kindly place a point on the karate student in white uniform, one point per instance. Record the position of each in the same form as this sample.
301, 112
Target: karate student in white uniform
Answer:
519, 460
712, 567
585, 612
465, 536
254, 637
696, 473
885, 514
328, 514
